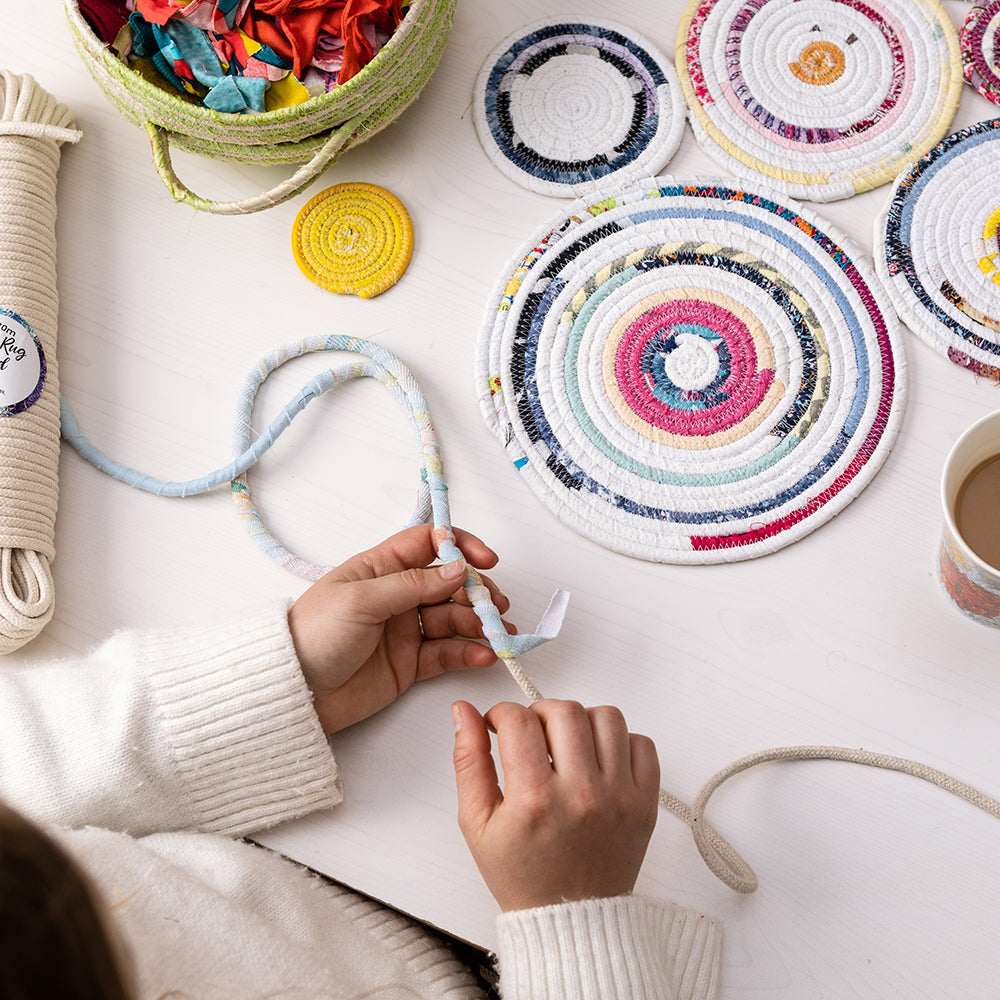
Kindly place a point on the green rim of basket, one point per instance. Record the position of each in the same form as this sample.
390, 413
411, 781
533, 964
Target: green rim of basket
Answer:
386, 85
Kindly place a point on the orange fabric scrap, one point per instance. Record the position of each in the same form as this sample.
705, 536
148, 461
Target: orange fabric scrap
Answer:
292, 27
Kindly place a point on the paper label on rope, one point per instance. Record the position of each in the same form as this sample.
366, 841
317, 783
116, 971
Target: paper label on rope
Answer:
22, 365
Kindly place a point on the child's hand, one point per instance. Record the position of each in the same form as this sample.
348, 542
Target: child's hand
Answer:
578, 806
373, 626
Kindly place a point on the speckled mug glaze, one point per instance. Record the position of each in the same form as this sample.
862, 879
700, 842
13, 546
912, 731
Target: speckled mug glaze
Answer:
972, 584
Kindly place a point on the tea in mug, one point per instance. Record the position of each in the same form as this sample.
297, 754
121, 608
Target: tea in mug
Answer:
977, 511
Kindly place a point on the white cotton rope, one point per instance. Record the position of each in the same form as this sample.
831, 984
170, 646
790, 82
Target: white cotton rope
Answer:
721, 857
32, 127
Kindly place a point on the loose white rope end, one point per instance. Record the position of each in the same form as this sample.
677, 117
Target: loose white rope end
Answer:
718, 854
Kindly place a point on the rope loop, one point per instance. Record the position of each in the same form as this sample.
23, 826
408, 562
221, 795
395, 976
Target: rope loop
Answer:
729, 866
722, 859
432, 493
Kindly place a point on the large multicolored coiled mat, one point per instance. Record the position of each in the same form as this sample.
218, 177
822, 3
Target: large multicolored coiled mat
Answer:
693, 373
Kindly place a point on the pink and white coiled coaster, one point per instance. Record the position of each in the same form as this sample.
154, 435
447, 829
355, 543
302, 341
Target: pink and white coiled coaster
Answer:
819, 98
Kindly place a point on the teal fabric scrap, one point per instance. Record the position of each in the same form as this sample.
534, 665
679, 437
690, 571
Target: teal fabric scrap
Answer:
184, 55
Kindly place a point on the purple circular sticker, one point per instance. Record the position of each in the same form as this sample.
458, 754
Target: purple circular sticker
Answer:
22, 365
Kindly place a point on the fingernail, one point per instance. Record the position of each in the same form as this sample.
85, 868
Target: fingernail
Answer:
456, 715
452, 570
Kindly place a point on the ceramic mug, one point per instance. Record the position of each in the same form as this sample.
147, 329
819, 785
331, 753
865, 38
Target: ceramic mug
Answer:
972, 584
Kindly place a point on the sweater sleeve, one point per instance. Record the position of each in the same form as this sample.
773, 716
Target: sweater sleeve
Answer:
623, 948
207, 729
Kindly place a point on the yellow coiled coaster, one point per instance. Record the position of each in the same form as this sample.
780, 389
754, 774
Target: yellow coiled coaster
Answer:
353, 239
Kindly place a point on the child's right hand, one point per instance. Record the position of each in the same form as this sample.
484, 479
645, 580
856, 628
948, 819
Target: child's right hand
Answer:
577, 809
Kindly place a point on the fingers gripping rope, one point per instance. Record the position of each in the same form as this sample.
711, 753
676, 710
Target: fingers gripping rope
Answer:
432, 504
718, 854
432, 494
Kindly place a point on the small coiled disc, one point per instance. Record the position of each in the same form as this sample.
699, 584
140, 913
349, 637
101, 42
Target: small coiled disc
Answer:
353, 239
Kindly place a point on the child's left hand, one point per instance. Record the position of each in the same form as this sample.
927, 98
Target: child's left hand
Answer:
385, 619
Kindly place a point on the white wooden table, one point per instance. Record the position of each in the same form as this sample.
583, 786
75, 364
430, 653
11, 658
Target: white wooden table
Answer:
872, 884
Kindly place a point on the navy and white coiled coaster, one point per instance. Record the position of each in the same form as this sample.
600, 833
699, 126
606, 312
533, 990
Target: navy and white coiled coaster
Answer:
937, 248
560, 104
696, 373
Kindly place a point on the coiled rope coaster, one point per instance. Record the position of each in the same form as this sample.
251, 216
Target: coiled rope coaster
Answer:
248, 446
33, 125
560, 104
981, 49
824, 99
691, 373
937, 249
353, 239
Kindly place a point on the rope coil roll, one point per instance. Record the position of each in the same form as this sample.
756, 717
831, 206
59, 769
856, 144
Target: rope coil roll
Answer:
33, 125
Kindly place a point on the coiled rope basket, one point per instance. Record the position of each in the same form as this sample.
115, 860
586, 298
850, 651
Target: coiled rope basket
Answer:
313, 134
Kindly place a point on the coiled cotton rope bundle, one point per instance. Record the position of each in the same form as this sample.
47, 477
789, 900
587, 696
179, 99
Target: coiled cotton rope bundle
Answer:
33, 125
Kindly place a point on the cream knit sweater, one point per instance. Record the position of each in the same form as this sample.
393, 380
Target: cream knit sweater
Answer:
152, 754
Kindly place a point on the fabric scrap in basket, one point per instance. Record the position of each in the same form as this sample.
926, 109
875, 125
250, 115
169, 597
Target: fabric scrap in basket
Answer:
249, 56
820, 99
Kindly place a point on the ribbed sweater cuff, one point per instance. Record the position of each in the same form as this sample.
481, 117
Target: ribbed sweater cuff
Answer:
624, 948
238, 720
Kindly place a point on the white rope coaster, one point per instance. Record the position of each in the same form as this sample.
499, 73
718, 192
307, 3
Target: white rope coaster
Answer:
560, 104
937, 250
981, 49
692, 373
823, 98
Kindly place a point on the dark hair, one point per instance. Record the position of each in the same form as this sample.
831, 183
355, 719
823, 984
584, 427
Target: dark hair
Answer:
53, 941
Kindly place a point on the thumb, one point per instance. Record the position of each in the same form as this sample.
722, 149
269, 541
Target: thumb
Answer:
479, 793
386, 596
